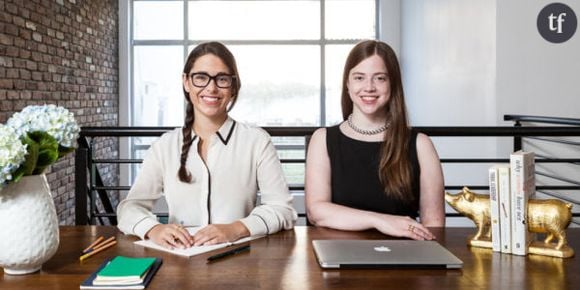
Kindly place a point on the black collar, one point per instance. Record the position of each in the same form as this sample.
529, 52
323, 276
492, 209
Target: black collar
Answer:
225, 130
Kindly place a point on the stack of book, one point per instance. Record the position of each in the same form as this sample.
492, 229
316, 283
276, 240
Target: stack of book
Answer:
123, 273
510, 188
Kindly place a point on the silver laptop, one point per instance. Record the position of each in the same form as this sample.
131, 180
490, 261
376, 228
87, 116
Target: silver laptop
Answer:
383, 254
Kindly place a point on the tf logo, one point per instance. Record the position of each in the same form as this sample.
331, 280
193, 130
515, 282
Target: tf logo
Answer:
557, 22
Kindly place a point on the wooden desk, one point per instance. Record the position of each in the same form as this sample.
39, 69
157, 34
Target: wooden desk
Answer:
286, 261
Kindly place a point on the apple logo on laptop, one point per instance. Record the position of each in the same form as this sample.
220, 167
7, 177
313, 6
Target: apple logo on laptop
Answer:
382, 249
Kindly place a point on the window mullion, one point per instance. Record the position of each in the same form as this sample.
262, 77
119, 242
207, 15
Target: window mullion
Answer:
185, 28
322, 65
377, 19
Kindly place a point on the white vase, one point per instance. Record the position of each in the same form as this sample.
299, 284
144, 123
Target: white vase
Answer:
28, 225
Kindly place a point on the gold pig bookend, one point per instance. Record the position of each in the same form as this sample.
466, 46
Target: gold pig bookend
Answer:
475, 207
550, 217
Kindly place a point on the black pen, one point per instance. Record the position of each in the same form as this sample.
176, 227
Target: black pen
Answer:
228, 253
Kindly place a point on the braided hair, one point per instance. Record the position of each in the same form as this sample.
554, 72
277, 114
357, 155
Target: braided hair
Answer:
221, 51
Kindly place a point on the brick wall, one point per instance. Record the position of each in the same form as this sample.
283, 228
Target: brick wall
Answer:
62, 52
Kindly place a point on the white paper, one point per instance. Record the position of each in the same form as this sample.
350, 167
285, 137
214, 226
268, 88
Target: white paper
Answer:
195, 250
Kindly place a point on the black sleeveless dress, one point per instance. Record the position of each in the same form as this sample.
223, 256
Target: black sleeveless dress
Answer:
355, 179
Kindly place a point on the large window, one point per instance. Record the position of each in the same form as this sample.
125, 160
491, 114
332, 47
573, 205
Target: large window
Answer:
290, 56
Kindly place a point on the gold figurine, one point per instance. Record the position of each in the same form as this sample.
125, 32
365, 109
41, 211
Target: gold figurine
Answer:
476, 207
550, 217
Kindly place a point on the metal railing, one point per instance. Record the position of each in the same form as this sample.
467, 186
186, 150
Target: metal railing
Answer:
522, 120
89, 184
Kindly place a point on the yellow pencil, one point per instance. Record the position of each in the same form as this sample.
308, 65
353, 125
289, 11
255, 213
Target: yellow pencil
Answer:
97, 250
93, 244
103, 243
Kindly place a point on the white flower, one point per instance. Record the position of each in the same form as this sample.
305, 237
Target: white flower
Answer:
12, 154
54, 120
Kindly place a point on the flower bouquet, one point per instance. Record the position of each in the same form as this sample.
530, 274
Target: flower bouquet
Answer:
33, 139
30, 141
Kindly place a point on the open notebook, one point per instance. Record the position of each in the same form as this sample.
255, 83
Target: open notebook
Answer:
193, 250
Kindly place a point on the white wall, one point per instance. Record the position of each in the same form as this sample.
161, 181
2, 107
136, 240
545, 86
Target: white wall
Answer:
467, 63
390, 23
448, 61
534, 76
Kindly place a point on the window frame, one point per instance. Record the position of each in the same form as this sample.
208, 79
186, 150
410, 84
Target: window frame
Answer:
126, 66
185, 43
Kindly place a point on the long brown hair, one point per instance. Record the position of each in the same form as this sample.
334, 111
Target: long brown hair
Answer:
394, 167
227, 57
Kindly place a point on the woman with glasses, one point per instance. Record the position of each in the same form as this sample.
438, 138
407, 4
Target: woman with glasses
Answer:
210, 170
372, 170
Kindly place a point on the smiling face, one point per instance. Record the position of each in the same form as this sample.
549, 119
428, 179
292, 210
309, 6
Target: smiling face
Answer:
369, 87
210, 101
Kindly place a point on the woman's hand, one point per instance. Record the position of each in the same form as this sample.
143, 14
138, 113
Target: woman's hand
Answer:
220, 233
402, 226
170, 236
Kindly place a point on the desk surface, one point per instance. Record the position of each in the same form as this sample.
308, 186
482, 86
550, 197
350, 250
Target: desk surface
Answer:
286, 261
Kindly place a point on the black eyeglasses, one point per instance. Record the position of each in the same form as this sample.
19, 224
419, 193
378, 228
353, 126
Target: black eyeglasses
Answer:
201, 80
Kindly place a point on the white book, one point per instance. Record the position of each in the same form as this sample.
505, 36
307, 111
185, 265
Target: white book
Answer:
195, 250
494, 208
523, 186
505, 216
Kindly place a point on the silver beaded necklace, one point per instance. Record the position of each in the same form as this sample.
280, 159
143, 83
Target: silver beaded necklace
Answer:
366, 132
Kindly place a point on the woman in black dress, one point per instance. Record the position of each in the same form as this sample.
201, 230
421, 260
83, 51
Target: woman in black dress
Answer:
372, 170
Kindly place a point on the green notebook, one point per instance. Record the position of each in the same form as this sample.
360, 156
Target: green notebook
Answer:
125, 268
120, 283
